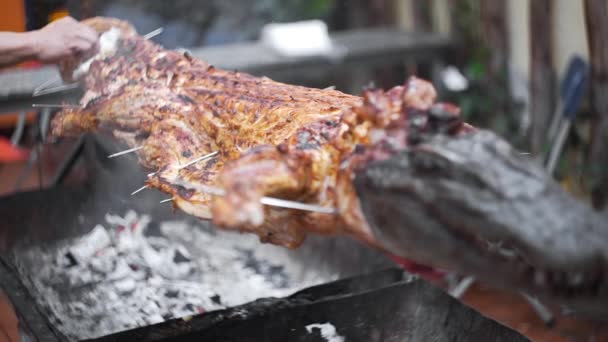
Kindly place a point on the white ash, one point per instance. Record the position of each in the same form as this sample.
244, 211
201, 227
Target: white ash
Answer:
328, 331
128, 274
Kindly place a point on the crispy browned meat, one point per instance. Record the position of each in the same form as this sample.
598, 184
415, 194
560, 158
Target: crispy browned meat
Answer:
273, 139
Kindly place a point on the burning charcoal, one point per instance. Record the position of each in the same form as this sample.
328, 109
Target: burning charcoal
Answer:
153, 230
327, 331
101, 265
90, 244
171, 294
181, 255
190, 308
125, 285
216, 299
139, 279
68, 260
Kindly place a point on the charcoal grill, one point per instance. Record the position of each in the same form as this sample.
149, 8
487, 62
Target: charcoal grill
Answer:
353, 291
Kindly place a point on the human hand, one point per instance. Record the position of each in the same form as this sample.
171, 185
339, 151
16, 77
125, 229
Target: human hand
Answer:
62, 39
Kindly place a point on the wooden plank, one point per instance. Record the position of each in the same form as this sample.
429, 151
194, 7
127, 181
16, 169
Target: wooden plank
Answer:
542, 78
372, 47
494, 33
596, 13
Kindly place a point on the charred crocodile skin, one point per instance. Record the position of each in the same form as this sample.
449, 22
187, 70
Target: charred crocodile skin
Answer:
474, 205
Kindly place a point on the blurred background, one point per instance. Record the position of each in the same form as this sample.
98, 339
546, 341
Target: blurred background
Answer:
502, 62
505, 63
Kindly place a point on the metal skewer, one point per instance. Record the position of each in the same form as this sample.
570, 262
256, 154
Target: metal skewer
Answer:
167, 200
154, 33
40, 105
205, 157
131, 150
56, 89
276, 202
44, 85
270, 201
281, 203
461, 288
139, 190
192, 162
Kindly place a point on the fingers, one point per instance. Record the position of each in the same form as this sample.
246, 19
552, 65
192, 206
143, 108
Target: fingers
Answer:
86, 33
79, 45
70, 26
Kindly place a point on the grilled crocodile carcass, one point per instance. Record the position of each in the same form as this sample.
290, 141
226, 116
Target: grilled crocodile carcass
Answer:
271, 139
433, 188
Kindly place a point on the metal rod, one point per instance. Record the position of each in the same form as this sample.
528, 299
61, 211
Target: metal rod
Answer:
28, 168
154, 33
166, 200
69, 162
45, 119
556, 120
281, 203
57, 89
121, 153
139, 190
39, 105
44, 84
461, 288
40, 165
18, 133
275, 202
205, 157
542, 311
556, 148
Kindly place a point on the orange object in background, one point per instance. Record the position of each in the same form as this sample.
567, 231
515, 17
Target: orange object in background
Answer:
58, 14
12, 15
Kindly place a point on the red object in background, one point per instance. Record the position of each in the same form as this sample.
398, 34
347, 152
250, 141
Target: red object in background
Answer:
425, 272
31, 65
10, 153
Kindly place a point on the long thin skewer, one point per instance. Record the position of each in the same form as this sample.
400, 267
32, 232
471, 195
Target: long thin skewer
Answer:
541, 310
154, 33
276, 202
44, 85
205, 157
56, 89
270, 201
139, 190
42, 105
461, 288
131, 150
192, 162
281, 203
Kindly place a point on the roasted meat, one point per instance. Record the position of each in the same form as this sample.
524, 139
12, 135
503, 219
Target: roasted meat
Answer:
272, 139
